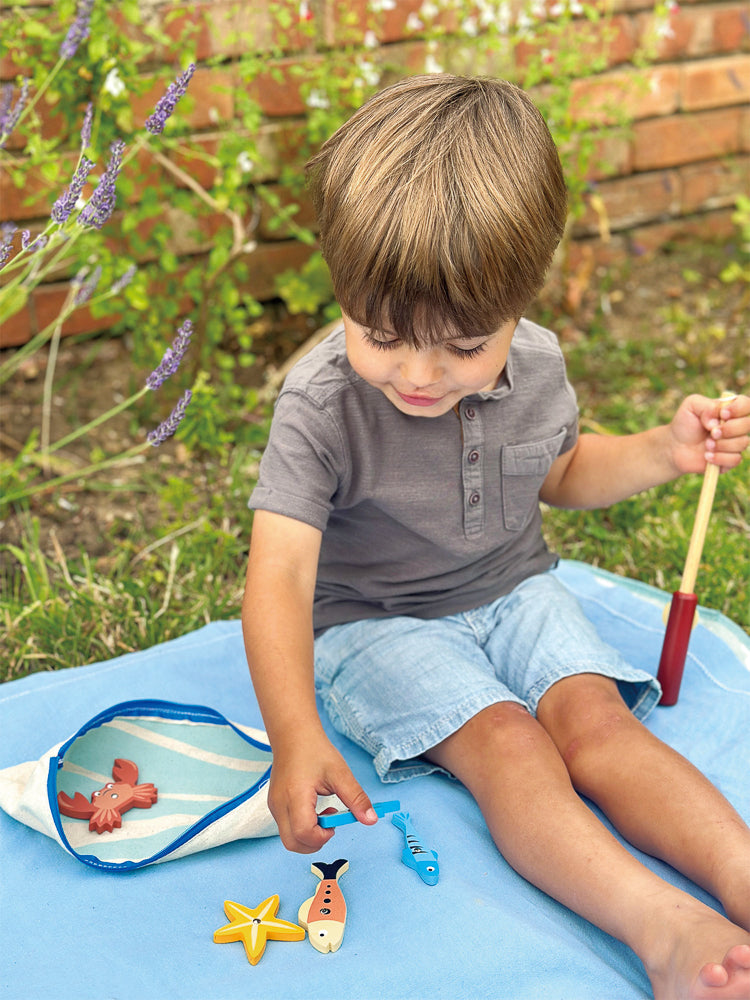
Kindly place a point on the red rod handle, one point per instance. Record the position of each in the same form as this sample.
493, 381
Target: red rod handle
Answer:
674, 650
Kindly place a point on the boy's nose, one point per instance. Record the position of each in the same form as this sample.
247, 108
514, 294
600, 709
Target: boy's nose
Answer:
421, 368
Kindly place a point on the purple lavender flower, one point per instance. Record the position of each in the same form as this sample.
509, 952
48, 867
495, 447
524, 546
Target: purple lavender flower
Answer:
38, 244
9, 114
166, 105
85, 285
102, 202
167, 427
78, 31
124, 280
67, 202
7, 231
172, 357
86, 127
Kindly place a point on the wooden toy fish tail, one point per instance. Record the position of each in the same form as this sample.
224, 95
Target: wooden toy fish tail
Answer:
333, 870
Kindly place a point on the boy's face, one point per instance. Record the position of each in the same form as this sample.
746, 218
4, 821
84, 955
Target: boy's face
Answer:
427, 382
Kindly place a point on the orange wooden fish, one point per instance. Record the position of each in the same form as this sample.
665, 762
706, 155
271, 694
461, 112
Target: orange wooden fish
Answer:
324, 914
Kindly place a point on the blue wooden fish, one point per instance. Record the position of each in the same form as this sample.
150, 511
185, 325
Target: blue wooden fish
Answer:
424, 862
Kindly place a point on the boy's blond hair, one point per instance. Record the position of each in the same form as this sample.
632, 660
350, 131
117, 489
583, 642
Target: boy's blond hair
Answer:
440, 203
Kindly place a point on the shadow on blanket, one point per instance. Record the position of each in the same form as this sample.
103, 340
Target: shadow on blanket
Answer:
69, 930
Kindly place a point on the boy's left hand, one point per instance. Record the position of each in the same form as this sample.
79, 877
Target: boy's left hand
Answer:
710, 431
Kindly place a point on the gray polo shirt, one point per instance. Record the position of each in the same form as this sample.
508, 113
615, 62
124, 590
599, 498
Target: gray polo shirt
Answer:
421, 516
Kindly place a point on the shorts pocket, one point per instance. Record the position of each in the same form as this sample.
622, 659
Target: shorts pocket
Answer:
523, 469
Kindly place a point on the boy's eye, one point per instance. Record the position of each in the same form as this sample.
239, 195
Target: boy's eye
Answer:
382, 341
467, 352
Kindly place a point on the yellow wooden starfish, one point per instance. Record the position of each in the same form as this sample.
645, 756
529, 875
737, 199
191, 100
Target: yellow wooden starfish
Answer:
254, 927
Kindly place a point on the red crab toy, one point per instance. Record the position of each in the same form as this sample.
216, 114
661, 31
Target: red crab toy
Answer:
107, 805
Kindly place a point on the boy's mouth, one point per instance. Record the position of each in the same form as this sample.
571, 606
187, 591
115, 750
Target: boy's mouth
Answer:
419, 400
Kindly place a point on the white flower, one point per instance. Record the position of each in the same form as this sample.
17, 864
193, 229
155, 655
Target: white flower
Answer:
664, 29
470, 27
379, 6
431, 65
113, 84
244, 162
318, 99
524, 23
429, 11
370, 41
369, 74
413, 23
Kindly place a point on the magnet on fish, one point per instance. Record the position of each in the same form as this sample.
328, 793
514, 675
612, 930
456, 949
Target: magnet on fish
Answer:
324, 915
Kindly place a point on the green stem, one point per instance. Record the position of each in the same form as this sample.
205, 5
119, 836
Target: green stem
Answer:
79, 431
35, 99
77, 474
49, 377
8, 368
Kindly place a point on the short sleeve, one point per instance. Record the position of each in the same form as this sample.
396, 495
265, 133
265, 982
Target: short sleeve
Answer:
303, 463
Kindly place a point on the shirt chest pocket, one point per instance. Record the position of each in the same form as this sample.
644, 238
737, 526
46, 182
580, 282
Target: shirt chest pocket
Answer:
523, 469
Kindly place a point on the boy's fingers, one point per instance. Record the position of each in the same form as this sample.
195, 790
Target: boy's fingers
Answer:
358, 803
301, 832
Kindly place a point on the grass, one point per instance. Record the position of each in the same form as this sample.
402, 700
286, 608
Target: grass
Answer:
59, 608
61, 611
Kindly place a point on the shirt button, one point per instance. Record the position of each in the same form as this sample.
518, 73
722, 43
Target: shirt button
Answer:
473, 457
470, 412
474, 499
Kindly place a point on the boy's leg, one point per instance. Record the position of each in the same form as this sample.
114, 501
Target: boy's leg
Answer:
520, 781
656, 798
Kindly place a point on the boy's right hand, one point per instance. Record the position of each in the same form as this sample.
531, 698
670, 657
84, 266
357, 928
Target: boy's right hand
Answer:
299, 774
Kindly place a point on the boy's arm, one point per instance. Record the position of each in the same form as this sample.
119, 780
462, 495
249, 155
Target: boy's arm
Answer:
600, 469
278, 632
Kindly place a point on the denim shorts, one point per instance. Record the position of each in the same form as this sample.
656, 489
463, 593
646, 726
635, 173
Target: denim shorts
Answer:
398, 686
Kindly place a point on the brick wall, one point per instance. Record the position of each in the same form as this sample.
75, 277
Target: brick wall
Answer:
677, 170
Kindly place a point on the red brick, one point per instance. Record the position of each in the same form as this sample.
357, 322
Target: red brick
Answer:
631, 201
745, 130
280, 144
348, 24
269, 260
209, 98
714, 185
632, 94
612, 40
731, 27
700, 31
17, 329
612, 157
305, 216
705, 226
35, 199
277, 88
684, 138
228, 28
715, 83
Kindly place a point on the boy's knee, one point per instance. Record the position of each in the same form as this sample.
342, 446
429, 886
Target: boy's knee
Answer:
584, 715
495, 733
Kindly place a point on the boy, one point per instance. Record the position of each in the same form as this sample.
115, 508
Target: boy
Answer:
397, 563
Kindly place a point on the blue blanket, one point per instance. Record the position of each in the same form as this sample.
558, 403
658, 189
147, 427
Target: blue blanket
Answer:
72, 931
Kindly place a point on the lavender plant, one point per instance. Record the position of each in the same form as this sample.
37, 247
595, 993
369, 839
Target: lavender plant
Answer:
25, 266
167, 367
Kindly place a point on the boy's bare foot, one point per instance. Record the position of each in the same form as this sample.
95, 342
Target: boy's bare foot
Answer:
691, 967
